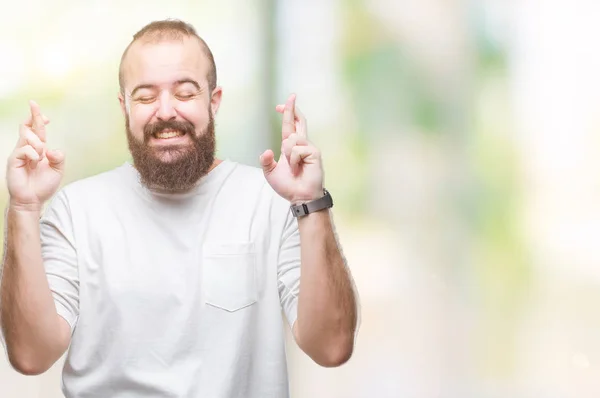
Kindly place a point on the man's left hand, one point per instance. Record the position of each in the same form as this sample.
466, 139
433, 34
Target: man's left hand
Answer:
298, 174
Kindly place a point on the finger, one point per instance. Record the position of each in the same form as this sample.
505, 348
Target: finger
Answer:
21, 141
27, 137
267, 161
298, 154
299, 118
288, 126
29, 121
56, 159
290, 142
26, 154
301, 129
38, 125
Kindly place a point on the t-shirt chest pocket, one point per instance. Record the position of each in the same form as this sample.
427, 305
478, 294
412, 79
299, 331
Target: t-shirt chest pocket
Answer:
229, 274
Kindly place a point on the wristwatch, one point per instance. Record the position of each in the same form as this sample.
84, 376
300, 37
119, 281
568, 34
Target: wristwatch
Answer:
303, 209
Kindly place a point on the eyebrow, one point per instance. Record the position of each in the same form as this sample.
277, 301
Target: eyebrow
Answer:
176, 83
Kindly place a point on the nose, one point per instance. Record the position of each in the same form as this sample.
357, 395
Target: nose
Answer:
166, 110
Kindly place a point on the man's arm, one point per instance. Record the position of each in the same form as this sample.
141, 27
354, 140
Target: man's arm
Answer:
35, 335
326, 315
327, 305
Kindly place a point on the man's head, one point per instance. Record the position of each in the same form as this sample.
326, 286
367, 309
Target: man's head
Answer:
169, 98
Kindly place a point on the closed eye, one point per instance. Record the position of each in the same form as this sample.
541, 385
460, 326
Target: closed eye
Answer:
185, 97
145, 100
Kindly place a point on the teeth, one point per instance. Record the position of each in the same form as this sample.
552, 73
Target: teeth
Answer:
168, 134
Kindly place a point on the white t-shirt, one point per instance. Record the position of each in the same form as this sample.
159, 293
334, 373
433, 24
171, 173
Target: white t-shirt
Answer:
177, 295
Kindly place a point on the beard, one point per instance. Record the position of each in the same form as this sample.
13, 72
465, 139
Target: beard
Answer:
186, 164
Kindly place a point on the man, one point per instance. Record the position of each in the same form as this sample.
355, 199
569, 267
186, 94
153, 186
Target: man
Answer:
167, 277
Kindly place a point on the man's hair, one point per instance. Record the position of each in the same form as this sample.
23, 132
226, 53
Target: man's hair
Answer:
169, 29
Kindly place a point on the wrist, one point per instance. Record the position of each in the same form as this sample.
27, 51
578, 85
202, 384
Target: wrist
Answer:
304, 208
33, 208
317, 194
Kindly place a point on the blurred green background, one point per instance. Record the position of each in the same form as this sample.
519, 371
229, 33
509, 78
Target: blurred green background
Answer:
460, 141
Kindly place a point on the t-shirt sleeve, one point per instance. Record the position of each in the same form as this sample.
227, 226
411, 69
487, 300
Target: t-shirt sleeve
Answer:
288, 269
60, 257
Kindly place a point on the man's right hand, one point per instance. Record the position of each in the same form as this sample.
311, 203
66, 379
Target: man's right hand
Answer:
33, 173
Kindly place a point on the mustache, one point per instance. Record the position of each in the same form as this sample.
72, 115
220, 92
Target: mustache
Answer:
183, 126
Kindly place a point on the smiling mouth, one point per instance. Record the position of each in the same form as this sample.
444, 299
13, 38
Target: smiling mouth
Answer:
168, 133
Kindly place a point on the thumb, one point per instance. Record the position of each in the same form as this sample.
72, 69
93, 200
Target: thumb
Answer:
267, 161
56, 159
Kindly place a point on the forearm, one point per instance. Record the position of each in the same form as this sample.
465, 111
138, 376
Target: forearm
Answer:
327, 311
34, 335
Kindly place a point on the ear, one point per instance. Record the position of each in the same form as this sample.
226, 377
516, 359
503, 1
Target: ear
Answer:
215, 100
122, 104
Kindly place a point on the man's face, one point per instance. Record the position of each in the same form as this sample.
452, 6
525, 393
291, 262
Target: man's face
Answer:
169, 112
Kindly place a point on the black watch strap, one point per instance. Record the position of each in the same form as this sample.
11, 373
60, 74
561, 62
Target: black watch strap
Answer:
303, 209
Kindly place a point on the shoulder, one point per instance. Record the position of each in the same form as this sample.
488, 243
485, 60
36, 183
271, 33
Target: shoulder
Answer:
247, 186
94, 188
250, 179
100, 182
247, 174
